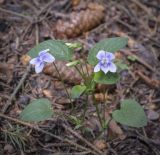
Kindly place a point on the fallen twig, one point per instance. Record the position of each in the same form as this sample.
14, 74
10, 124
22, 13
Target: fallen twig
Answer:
82, 139
33, 126
5, 107
142, 6
151, 82
16, 14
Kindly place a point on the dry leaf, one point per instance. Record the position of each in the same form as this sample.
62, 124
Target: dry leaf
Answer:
115, 129
47, 93
80, 22
118, 55
75, 2
100, 144
68, 74
63, 100
6, 71
25, 59
101, 97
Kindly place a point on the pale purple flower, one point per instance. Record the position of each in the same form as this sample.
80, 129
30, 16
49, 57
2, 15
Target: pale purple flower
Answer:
105, 62
40, 61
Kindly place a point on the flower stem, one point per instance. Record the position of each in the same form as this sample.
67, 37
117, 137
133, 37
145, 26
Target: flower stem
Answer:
85, 108
87, 68
97, 110
82, 69
63, 84
80, 73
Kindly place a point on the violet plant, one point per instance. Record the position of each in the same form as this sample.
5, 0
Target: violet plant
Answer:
105, 71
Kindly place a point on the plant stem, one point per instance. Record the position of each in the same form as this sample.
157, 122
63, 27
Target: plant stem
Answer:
105, 102
87, 68
97, 110
82, 69
80, 73
63, 84
85, 108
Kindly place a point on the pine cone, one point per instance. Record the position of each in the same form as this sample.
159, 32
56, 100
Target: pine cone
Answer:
80, 22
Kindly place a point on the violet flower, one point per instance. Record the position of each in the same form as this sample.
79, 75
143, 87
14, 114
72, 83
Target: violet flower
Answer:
105, 62
40, 61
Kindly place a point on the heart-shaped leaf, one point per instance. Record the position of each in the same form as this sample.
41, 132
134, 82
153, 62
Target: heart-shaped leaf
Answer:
109, 45
109, 78
131, 114
56, 47
37, 110
77, 91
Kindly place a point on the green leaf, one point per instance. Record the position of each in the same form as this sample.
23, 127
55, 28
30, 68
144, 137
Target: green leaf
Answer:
74, 45
37, 110
56, 47
121, 65
132, 58
131, 114
109, 78
77, 91
109, 45
73, 63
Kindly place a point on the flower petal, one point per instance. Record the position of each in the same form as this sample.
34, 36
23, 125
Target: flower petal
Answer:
48, 58
112, 67
33, 61
101, 54
110, 56
39, 67
97, 68
104, 68
43, 52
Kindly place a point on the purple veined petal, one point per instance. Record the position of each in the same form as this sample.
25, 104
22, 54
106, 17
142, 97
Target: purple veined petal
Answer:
43, 52
48, 58
39, 67
110, 56
112, 67
101, 54
97, 68
33, 61
104, 68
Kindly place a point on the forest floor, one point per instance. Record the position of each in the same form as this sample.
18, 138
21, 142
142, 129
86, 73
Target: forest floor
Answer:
23, 24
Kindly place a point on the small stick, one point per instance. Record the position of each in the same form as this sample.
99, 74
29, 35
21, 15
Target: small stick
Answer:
126, 25
6, 106
151, 82
33, 126
138, 3
45, 7
82, 139
17, 14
